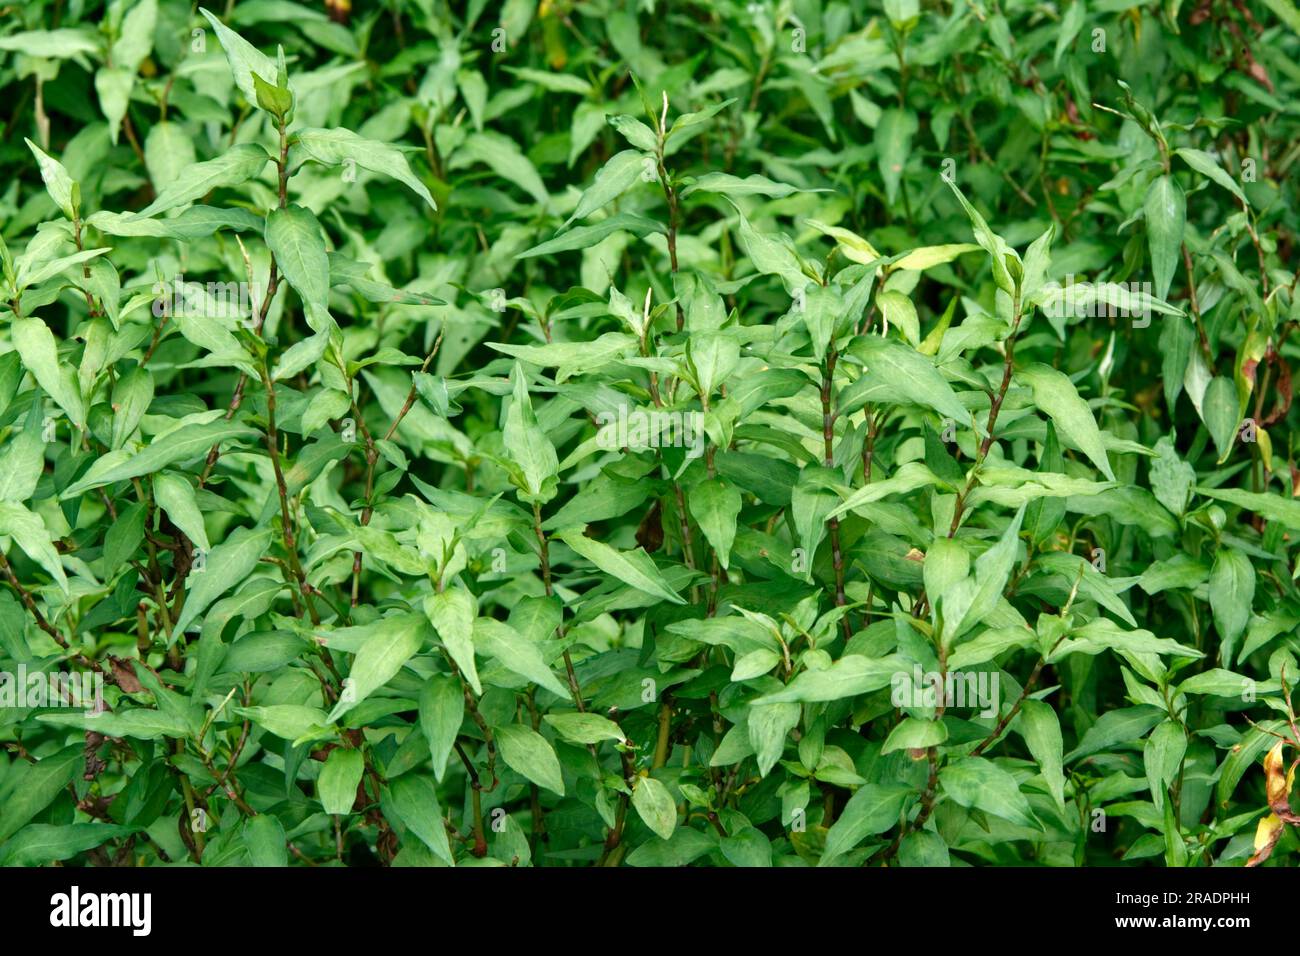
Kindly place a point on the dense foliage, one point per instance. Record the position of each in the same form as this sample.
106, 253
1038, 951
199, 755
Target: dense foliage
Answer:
646, 432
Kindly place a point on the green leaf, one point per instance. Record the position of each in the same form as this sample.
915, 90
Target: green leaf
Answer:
616, 177
294, 236
1162, 756
526, 752
27, 789
40, 354
385, 646
58, 183
139, 724
452, 614
915, 733
265, 841
133, 393
894, 373
716, 505
769, 727
584, 728
850, 676
1206, 165
1231, 592
873, 808
1056, 396
1166, 211
168, 152
175, 495
1220, 410
339, 778
415, 804
182, 445
290, 721
527, 445
40, 843
654, 805
983, 785
22, 463
442, 711
504, 158
584, 237
28, 531
335, 147
244, 58
633, 568
1041, 728
893, 141
501, 642
1115, 727
228, 564
237, 165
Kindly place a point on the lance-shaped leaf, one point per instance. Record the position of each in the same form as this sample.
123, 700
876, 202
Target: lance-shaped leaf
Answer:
451, 612
385, 646
527, 446
526, 752
178, 446
227, 565
30, 534
1166, 211
58, 183
1057, 397
633, 568
616, 177
175, 495
236, 165
715, 504
40, 354
244, 58
335, 147
294, 237
442, 710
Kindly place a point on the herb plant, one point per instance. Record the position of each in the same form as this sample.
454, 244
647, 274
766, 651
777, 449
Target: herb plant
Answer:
648, 433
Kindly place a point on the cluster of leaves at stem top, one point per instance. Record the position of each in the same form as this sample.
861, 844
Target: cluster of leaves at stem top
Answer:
816, 432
